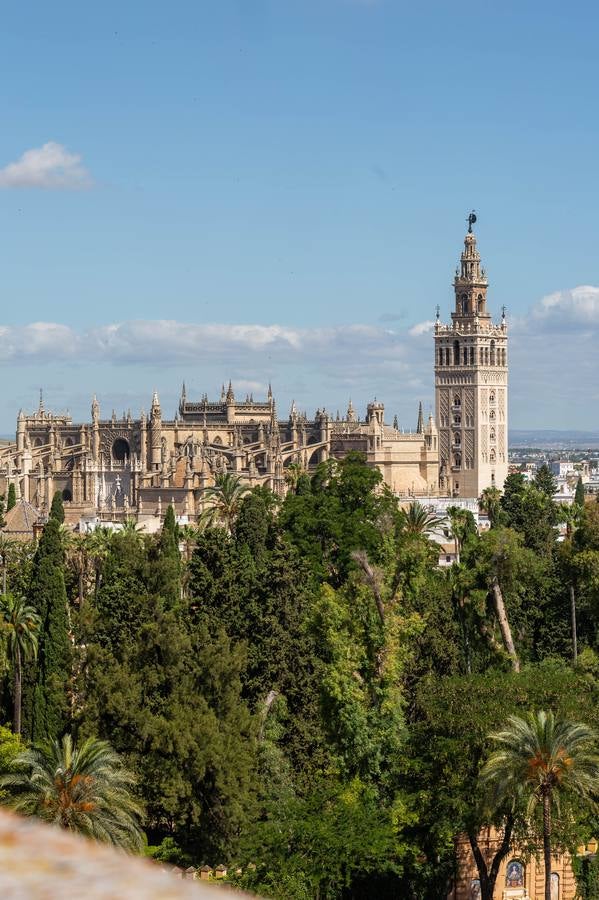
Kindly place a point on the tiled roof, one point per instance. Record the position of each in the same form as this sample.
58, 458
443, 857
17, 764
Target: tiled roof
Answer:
21, 518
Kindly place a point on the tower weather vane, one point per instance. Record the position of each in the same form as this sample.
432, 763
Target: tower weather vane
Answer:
471, 221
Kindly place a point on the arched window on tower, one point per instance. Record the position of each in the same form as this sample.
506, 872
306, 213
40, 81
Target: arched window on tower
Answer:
464, 304
471, 356
465, 356
447, 356
492, 353
440, 356
492, 397
482, 356
456, 353
456, 401
486, 356
481, 303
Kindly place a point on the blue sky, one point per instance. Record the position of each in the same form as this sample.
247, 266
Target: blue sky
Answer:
285, 184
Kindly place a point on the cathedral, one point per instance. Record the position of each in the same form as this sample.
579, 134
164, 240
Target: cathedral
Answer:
110, 469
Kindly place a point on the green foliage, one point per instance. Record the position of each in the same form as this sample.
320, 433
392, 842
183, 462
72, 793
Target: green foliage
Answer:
579, 493
57, 508
48, 713
2, 511
82, 788
168, 851
12, 496
319, 846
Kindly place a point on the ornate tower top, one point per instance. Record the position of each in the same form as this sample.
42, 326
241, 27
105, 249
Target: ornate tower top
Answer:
230, 397
470, 282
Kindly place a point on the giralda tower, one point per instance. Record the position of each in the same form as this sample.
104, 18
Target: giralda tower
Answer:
471, 385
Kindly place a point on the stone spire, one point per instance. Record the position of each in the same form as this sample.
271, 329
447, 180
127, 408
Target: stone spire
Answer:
155, 411
269, 395
230, 398
420, 425
95, 409
351, 413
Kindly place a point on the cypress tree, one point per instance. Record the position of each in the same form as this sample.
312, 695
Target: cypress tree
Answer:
2, 508
579, 495
12, 496
57, 508
164, 571
48, 696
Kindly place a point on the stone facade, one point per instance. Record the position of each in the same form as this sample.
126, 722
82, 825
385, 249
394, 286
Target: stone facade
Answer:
519, 878
471, 386
119, 467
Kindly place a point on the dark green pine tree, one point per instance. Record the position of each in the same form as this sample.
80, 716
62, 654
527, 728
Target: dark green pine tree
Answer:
57, 509
12, 496
48, 713
579, 495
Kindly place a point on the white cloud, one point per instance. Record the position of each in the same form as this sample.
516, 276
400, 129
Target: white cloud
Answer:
51, 166
421, 328
577, 306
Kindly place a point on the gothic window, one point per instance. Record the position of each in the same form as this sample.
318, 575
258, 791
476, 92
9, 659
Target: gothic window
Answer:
38, 442
492, 415
465, 356
464, 304
447, 356
486, 356
456, 353
492, 434
120, 450
481, 303
515, 874
492, 353
441, 356
471, 356
457, 439
67, 495
69, 442
457, 419
457, 401
457, 460
482, 357
492, 456
492, 397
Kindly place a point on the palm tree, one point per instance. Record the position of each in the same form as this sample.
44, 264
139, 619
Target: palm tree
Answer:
225, 498
418, 520
77, 551
541, 759
293, 473
85, 789
489, 504
99, 542
461, 524
20, 623
131, 527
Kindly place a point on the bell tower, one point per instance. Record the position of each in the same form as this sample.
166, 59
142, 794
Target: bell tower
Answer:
471, 384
